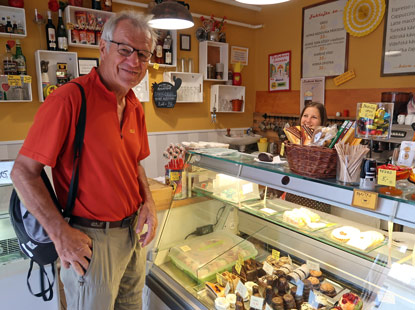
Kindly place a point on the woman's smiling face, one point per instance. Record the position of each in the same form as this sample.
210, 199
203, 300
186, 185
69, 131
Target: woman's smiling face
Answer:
311, 117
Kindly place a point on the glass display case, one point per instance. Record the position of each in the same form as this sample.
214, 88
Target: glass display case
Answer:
234, 228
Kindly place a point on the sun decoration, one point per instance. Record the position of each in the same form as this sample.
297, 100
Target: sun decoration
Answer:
361, 17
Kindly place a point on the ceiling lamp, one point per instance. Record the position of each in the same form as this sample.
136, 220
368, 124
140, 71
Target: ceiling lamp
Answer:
261, 2
171, 15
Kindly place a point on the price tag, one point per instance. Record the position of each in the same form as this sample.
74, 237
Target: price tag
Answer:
364, 199
5, 169
368, 110
387, 177
27, 79
268, 268
240, 259
247, 188
241, 288
185, 248
282, 149
256, 302
14, 80
267, 307
219, 279
227, 289
156, 66
238, 267
313, 265
275, 254
343, 78
268, 211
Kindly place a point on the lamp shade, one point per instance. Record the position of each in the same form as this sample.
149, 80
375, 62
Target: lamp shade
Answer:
261, 2
171, 15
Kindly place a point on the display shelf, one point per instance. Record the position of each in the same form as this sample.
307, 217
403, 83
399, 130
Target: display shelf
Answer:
191, 89
211, 53
70, 17
21, 93
15, 14
142, 90
174, 51
54, 57
221, 96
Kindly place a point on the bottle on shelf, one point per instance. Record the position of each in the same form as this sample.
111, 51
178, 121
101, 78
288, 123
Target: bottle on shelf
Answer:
168, 49
96, 4
3, 24
9, 65
9, 26
61, 34
158, 57
20, 59
106, 5
50, 34
14, 26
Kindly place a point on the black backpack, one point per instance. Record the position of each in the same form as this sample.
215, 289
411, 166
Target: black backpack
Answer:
33, 239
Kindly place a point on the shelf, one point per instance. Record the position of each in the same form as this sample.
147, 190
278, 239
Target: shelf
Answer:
191, 89
69, 17
221, 96
54, 57
16, 93
16, 14
142, 90
173, 34
211, 53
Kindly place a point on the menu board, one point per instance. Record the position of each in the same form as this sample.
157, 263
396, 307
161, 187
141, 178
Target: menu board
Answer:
165, 94
325, 40
399, 38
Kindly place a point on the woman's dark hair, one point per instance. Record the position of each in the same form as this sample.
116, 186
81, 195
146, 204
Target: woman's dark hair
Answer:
321, 109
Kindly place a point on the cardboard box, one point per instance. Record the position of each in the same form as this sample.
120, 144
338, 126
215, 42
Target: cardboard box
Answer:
162, 194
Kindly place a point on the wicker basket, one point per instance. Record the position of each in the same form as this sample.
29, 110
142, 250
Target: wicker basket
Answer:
312, 161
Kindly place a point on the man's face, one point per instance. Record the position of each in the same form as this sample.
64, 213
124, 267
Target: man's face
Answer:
124, 72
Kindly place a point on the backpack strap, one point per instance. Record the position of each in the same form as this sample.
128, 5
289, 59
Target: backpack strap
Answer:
42, 274
79, 139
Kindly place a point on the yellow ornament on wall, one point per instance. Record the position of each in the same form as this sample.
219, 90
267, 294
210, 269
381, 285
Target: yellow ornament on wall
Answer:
361, 17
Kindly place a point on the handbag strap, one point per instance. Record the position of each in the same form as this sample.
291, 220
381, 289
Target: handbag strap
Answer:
79, 139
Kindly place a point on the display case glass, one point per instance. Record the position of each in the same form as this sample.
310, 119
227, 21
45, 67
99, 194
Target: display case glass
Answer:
238, 223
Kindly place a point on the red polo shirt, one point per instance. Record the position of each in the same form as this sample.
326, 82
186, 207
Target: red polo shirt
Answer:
108, 174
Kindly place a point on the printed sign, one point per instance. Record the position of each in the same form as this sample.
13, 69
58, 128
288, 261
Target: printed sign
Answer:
313, 265
368, 110
364, 199
256, 302
14, 80
165, 94
387, 177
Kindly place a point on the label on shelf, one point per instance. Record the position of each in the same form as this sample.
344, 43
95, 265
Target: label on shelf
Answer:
241, 288
241, 259
256, 302
14, 80
238, 267
268, 268
313, 265
387, 177
364, 199
275, 254
27, 79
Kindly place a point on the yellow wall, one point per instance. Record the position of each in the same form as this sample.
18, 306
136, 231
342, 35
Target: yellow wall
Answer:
16, 117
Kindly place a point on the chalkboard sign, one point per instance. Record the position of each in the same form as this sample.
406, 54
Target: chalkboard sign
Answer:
165, 94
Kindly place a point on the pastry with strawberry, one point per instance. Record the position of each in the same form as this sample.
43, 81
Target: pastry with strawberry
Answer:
350, 301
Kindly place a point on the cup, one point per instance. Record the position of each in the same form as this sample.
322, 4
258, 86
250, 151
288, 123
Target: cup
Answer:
401, 119
219, 71
346, 113
210, 71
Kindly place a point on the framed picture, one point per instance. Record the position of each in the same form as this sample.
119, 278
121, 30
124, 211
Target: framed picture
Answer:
185, 43
279, 71
86, 64
398, 38
325, 41
311, 90
239, 54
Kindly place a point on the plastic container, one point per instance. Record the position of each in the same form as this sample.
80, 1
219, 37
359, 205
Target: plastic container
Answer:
202, 257
233, 189
374, 120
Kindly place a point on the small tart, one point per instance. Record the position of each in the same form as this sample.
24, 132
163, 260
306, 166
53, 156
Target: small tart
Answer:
345, 233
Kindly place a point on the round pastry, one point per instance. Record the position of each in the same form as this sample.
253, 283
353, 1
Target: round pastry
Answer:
284, 260
231, 299
350, 301
318, 274
315, 282
343, 234
289, 301
328, 289
277, 303
307, 306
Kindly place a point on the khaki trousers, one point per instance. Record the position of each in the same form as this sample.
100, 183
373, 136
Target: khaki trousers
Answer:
115, 276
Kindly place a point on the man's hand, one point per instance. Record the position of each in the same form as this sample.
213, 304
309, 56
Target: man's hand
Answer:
147, 215
74, 249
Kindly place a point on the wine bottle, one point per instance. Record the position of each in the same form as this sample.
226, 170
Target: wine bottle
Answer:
96, 4
20, 59
61, 34
50, 34
9, 65
159, 50
9, 26
167, 49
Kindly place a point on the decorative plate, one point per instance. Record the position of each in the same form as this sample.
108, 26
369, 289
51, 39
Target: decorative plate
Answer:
201, 34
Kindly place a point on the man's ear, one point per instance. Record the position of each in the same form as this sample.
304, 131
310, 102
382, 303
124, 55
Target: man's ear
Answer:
102, 48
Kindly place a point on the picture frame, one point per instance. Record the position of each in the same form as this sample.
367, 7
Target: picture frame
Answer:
185, 42
397, 54
312, 90
324, 40
279, 71
85, 64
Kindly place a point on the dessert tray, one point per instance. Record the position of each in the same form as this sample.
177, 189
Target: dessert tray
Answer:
304, 219
202, 257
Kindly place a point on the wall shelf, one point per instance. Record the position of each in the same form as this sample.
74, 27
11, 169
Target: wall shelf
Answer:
191, 89
174, 48
16, 93
211, 53
142, 90
221, 96
15, 14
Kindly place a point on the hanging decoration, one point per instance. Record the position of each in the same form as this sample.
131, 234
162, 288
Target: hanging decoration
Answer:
361, 17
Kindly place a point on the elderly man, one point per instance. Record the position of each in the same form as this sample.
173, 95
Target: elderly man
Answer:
103, 259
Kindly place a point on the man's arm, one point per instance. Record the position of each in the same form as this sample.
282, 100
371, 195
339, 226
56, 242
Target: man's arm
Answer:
147, 214
72, 245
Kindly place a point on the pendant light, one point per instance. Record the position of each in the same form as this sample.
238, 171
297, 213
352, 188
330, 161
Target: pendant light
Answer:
261, 2
171, 15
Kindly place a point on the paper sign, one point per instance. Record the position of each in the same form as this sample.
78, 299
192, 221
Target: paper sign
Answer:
387, 177
14, 80
343, 78
364, 199
27, 79
240, 259
185, 248
313, 265
267, 307
256, 302
368, 110
241, 289
219, 279
247, 188
275, 254
156, 66
238, 267
268, 268
268, 211
5, 169
227, 289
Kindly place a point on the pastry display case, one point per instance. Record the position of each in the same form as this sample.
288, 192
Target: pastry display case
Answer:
238, 242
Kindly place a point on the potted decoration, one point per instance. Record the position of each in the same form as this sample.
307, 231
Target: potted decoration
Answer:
214, 28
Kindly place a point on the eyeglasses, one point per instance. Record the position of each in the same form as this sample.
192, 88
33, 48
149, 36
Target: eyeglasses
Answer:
126, 51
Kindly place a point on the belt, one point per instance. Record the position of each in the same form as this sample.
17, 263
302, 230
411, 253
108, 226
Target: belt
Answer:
126, 222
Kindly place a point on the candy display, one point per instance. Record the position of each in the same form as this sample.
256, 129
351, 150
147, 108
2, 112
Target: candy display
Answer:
374, 120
